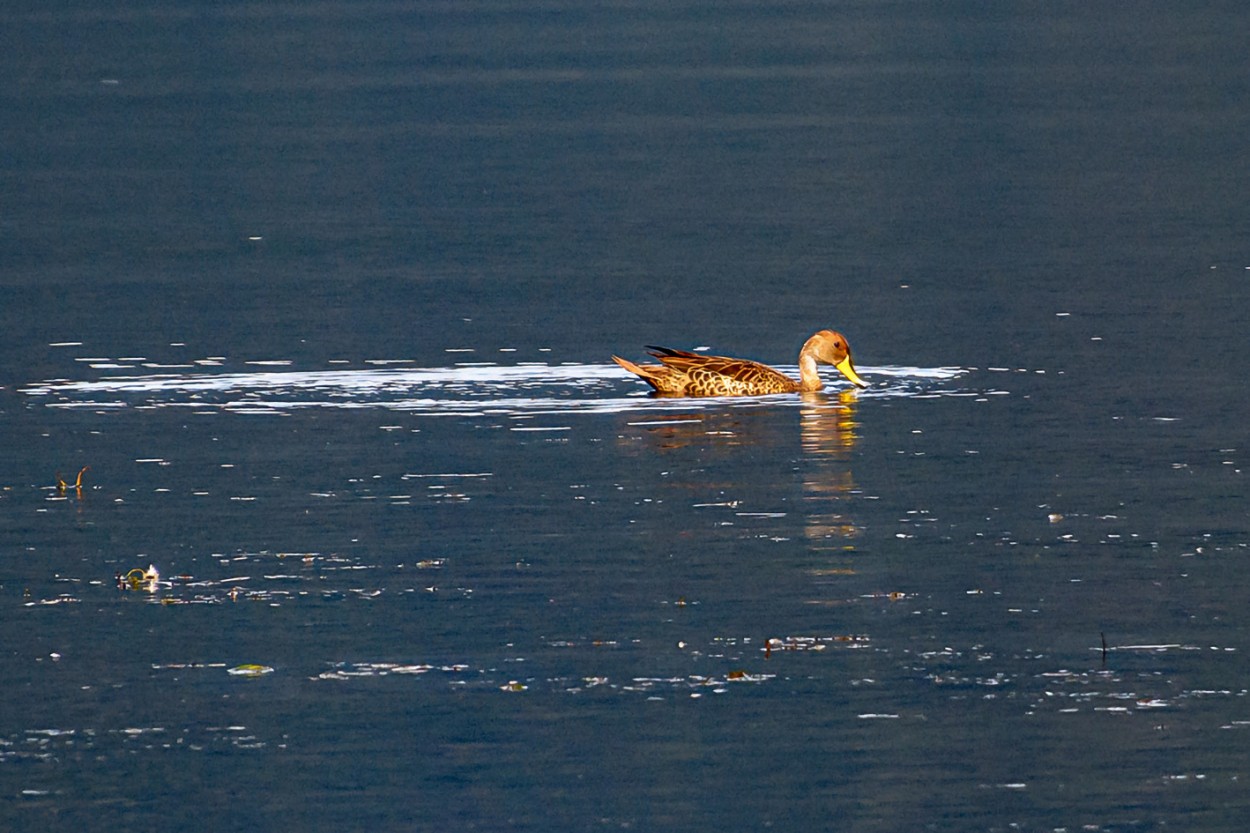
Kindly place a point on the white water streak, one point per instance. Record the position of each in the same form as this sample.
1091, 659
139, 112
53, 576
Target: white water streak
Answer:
464, 390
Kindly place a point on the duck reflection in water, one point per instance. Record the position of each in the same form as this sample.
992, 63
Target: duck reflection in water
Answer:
827, 427
724, 429
829, 432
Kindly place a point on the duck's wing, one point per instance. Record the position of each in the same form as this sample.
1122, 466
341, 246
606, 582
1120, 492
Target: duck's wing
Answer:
724, 375
686, 362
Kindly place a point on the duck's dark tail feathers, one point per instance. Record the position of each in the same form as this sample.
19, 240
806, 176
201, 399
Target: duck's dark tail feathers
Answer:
661, 352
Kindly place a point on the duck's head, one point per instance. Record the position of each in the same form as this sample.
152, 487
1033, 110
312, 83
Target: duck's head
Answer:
828, 347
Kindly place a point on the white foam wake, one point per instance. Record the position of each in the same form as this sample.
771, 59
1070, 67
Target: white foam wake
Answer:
466, 389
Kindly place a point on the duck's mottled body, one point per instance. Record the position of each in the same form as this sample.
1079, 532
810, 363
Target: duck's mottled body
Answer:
681, 373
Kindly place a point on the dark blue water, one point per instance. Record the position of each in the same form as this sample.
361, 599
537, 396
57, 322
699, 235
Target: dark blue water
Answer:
324, 297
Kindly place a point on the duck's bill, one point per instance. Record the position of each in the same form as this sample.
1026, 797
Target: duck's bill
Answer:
848, 370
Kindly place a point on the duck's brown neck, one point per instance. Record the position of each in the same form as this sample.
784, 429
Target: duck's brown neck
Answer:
809, 378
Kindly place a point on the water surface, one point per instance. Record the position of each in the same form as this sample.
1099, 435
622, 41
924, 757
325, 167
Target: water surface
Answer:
324, 296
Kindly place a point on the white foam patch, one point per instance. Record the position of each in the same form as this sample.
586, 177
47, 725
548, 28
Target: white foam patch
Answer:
463, 389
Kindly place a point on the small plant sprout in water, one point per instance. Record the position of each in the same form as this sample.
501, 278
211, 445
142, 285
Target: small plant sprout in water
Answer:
61, 485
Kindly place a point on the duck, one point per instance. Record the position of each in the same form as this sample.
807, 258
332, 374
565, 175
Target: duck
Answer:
682, 373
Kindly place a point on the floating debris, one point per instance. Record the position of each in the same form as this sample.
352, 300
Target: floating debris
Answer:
140, 579
249, 670
810, 643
